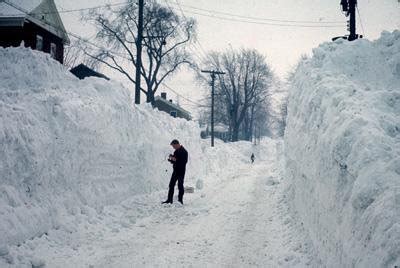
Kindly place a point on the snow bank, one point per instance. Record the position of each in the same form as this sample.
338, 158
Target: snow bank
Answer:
342, 146
224, 158
223, 161
72, 147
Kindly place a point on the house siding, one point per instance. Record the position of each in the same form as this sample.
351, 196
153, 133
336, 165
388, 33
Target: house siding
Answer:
13, 36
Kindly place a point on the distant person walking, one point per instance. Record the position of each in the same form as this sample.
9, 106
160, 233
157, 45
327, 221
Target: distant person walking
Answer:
252, 157
179, 160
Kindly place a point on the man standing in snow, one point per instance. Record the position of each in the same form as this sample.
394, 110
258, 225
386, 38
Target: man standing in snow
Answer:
252, 157
179, 160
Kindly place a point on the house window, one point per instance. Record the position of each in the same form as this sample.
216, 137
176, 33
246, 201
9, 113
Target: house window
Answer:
173, 113
39, 42
53, 50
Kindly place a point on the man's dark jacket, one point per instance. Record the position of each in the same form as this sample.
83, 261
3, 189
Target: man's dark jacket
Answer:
181, 156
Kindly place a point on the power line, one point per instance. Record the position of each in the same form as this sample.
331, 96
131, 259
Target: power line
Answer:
199, 9
103, 48
78, 18
199, 56
197, 45
124, 57
102, 6
73, 10
361, 23
195, 38
183, 97
180, 35
213, 74
258, 18
194, 52
70, 33
262, 23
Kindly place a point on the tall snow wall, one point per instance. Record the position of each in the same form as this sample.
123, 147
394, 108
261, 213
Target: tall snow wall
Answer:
69, 146
342, 150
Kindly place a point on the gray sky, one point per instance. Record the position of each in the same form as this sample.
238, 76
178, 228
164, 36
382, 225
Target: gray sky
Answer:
282, 45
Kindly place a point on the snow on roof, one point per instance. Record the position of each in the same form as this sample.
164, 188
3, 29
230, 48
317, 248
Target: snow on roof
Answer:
7, 10
41, 12
219, 127
172, 105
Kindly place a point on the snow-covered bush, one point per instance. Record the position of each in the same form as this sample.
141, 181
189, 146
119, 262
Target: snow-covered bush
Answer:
342, 148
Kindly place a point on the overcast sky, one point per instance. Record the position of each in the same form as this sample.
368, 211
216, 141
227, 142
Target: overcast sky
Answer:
282, 45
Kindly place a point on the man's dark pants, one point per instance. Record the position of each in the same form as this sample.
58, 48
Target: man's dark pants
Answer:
176, 176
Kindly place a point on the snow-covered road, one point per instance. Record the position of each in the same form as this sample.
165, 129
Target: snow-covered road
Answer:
242, 221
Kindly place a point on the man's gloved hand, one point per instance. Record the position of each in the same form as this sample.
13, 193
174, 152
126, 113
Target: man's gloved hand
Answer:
171, 158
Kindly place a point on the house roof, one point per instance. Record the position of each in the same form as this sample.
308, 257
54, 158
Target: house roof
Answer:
41, 12
81, 71
10, 11
172, 105
219, 127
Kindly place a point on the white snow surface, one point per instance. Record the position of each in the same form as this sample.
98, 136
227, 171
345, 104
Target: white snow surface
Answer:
342, 148
83, 172
71, 146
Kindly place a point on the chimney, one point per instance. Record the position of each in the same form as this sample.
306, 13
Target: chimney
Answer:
164, 95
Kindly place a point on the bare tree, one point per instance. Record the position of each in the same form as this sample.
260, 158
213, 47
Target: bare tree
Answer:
256, 120
262, 116
165, 37
282, 117
74, 54
242, 89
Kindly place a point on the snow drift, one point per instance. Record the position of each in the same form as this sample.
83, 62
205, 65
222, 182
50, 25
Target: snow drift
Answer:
342, 147
73, 146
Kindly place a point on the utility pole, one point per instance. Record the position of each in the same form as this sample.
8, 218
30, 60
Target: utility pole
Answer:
139, 51
349, 7
352, 12
213, 75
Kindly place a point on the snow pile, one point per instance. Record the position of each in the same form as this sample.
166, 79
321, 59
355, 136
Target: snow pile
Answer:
342, 146
222, 162
72, 147
224, 158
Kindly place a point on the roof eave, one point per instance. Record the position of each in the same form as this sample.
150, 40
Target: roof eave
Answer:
173, 105
12, 21
59, 33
